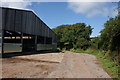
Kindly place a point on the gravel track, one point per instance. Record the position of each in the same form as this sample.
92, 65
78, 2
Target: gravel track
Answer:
55, 65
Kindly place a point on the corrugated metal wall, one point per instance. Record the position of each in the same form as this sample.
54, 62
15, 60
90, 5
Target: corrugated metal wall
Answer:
26, 22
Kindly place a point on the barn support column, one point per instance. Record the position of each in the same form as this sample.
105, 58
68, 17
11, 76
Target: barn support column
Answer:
45, 39
22, 41
36, 43
2, 41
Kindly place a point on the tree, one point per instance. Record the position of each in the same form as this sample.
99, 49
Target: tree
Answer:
73, 36
110, 37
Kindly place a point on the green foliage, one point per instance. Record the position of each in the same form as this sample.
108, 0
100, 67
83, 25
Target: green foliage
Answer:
73, 36
110, 35
110, 38
94, 43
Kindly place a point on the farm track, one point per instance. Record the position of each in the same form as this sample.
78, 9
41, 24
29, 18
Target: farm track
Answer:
55, 65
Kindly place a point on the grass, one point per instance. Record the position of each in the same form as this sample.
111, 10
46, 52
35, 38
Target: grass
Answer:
109, 66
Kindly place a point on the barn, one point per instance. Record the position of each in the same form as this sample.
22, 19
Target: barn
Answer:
24, 31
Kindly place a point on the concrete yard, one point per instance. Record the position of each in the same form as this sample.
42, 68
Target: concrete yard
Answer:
53, 65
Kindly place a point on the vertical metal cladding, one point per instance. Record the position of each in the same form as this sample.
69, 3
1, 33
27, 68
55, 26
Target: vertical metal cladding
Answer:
33, 23
24, 21
48, 32
27, 22
45, 30
1, 18
40, 27
18, 20
10, 19
36, 27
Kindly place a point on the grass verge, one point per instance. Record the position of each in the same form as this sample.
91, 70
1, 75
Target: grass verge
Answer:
109, 66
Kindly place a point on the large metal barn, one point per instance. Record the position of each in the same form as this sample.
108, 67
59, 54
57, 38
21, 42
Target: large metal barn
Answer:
24, 31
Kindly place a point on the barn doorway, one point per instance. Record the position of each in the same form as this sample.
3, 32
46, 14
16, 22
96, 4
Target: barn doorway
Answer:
28, 43
11, 42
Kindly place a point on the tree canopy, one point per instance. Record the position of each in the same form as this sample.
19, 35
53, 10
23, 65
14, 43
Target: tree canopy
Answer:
78, 36
110, 35
73, 36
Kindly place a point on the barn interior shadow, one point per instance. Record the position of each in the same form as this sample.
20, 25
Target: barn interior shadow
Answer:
9, 55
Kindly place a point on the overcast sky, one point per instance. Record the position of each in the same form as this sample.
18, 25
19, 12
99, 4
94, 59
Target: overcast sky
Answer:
69, 12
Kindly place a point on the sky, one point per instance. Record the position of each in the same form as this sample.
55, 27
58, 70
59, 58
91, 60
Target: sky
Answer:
54, 14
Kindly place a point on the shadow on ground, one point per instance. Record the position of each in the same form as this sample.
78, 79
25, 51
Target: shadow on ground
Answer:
8, 55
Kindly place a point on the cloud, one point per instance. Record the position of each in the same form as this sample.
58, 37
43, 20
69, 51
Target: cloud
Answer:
114, 10
93, 0
20, 4
90, 9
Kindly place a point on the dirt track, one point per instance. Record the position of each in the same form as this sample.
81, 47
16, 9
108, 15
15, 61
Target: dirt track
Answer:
55, 65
